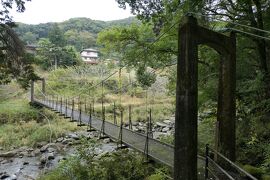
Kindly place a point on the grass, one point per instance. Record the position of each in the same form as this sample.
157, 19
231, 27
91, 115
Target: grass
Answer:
24, 125
17, 134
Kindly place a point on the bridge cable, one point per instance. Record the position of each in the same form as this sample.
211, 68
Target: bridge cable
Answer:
234, 23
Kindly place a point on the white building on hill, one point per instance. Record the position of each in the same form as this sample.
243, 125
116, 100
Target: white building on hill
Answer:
90, 56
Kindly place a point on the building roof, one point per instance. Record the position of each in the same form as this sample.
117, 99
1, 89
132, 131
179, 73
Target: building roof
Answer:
90, 49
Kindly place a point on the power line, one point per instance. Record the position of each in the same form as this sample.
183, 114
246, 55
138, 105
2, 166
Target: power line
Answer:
234, 23
251, 34
237, 30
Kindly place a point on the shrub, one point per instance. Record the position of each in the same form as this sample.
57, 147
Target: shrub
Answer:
119, 165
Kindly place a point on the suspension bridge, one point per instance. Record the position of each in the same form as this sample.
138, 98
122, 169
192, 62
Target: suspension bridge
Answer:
182, 157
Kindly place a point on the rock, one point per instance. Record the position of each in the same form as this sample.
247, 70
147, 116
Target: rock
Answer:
156, 135
167, 122
35, 152
4, 175
50, 156
5, 161
13, 177
51, 150
43, 149
41, 144
165, 129
140, 127
135, 123
60, 139
107, 140
172, 119
25, 163
134, 128
161, 124
90, 136
66, 141
55, 146
43, 159
73, 136
9, 153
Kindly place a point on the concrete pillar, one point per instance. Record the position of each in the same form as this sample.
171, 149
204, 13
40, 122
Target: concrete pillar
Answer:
185, 153
226, 102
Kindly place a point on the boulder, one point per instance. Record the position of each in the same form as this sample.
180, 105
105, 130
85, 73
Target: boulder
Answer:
156, 135
4, 175
25, 163
106, 140
134, 128
50, 156
41, 144
13, 177
165, 129
168, 122
161, 124
43, 159
9, 153
60, 139
73, 136
50, 149
66, 141
55, 146
172, 119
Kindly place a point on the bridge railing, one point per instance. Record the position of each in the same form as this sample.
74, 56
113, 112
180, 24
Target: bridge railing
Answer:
220, 167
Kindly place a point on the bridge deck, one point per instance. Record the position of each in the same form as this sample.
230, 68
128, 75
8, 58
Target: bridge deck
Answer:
157, 150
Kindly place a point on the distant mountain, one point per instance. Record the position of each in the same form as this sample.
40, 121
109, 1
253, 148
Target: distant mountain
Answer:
75, 29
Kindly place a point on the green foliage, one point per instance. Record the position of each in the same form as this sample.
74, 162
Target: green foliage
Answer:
56, 36
29, 38
135, 46
78, 32
15, 62
122, 164
257, 172
48, 54
145, 78
169, 139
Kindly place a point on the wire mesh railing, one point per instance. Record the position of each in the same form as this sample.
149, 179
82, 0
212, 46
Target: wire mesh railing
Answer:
220, 167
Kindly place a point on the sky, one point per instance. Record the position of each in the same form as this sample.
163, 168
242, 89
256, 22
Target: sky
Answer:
42, 11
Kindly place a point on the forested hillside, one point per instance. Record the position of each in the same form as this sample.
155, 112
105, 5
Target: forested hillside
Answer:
79, 32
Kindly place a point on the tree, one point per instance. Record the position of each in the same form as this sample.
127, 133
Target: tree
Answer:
5, 17
80, 40
29, 38
136, 45
56, 36
49, 55
15, 63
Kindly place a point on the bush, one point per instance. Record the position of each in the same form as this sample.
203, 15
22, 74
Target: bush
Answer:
123, 164
257, 172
